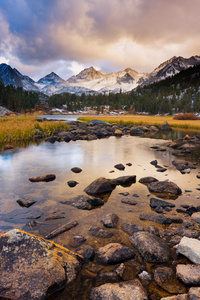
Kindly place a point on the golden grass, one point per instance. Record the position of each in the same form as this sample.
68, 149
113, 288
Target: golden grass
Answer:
14, 129
140, 120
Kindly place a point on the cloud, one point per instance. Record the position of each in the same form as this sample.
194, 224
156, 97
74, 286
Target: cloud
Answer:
109, 33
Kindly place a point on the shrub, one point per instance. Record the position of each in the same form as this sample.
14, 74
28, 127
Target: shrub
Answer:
186, 116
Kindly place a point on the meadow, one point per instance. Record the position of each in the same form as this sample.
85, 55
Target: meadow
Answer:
140, 120
23, 128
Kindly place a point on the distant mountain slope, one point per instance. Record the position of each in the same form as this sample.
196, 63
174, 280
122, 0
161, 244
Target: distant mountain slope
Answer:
91, 81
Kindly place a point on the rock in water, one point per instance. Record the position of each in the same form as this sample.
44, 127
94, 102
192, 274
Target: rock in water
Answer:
190, 248
100, 186
47, 177
151, 247
31, 267
128, 290
114, 253
164, 187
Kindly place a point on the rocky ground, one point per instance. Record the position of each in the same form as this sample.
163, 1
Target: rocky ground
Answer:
160, 262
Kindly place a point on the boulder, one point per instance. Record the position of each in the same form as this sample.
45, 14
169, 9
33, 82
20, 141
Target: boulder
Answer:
166, 279
128, 290
126, 180
32, 267
190, 248
47, 177
118, 133
100, 186
84, 202
110, 220
156, 202
148, 179
114, 253
189, 274
136, 131
164, 187
151, 247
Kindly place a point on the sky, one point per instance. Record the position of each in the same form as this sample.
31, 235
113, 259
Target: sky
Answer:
66, 36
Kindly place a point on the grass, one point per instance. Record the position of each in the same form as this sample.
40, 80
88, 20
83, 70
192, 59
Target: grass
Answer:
141, 120
13, 129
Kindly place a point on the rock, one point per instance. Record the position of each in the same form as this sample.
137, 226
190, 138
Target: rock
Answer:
154, 162
108, 276
128, 290
67, 138
153, 129
55, 216
47, 177
166, 127
53, 139
161, 170
110, 220
120, 270
95, 121
166, 279
148, 179
26, 202
131, 228
194, 293
176, 297
151, 247
114, 253
120, 167
100, 186
79, 239
190, 248
76, 170
99, 232
72, 183
156, 202
145, 278
118, 133
136, 131
159, 209
8, 147
129, 201
129, 164
154, 230
84, 202
61, 229
155, 218
89, 254
189, 274
126, 180
164, 187
32, 267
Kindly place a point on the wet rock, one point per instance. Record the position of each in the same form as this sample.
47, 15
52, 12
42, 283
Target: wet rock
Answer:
124, 194
47, 177
26, 202
154, 162
189, 274
84, 202
194, 293
120, 270
155, 218
131, 228
114, 253
166, 279
164, 187
145, 278
55, 216
76, 170
100, 232
148, 179
118, 133
129, 164
53, 139
126, 180
72, 183
120, 167
110, 220
136, 131
182, 166
89, 254
190, 248
131, 290
166, 127
176, 297
100, 186
79, 239
161, 170
151, 247
108, 277
159, 209
154, 230
156, 202
61, 229
129, 201
67, 138
52, 266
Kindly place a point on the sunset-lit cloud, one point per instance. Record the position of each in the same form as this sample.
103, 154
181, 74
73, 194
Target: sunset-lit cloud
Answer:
40, 36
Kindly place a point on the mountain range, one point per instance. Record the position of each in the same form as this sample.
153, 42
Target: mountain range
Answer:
90, 81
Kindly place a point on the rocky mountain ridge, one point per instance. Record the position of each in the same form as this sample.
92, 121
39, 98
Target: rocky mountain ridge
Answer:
90, 80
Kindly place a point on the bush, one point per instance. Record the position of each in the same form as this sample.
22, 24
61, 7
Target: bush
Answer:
186, 116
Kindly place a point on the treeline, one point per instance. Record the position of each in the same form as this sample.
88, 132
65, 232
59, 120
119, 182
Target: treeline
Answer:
180, 93
15, 99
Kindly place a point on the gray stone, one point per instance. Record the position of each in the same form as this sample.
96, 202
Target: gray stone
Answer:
129, 201
128, 290
126, 180
155, 218
156, 202
189, 274
190, 248
145, 278
148, 179
31, 266
110, 220
100, 186
84, 202
164, 187
114, 253
150, 246
131, 228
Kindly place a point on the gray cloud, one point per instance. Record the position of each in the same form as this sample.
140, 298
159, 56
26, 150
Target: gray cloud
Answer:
135, 33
